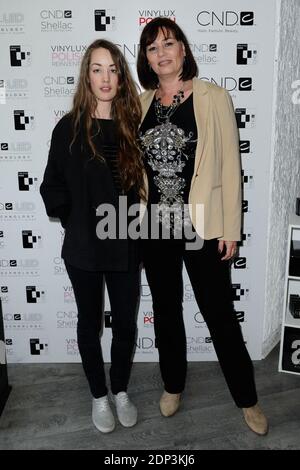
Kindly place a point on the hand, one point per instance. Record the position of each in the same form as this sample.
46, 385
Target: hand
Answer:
231, 248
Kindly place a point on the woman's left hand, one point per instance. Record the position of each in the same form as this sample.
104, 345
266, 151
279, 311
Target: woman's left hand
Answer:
231, 248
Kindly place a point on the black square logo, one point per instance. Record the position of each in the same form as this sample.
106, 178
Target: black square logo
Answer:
245, 84
68, 14
245, 146
104, 20
246, 54
28, 239
19, 55
24, 181
245, 239
240, 315
32, 294
240, 262
237, 292
244, 118
4, 146
241, 117
21, 120
37, 347
247, 178
16, 56
245, 207
247, 18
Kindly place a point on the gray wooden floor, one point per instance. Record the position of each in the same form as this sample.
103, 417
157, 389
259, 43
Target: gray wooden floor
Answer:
50, 408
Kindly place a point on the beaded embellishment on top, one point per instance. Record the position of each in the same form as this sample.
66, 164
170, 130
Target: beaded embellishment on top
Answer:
163, 113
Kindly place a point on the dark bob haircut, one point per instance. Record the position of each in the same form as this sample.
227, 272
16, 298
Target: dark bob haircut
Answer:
147, 76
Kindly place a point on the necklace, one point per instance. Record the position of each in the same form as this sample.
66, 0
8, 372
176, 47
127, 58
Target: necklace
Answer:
163, 113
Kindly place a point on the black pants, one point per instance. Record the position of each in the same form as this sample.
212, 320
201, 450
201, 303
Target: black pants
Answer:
123, 291
210, 279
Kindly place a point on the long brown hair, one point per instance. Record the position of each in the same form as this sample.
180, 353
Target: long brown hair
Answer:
125, 110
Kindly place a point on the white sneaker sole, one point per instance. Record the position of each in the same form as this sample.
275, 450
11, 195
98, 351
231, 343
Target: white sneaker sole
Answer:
104, 430
126, 424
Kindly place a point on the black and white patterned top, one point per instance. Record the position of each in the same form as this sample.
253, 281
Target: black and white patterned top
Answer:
169, 156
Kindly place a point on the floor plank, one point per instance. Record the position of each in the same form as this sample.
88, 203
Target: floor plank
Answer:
50, 408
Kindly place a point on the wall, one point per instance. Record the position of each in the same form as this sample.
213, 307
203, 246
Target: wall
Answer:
285, 167
42, 43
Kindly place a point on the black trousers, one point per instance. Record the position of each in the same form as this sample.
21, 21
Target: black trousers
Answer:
210, 279
123, 291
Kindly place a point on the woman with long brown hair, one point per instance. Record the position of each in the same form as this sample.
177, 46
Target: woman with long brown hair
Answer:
93, 161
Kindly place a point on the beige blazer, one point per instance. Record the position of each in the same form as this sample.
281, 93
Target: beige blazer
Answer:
216, 182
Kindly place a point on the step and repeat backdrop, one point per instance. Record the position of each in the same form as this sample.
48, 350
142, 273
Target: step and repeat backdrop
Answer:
42, 43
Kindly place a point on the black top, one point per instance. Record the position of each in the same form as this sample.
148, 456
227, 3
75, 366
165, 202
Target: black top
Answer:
74, 185
169, 147
107, 142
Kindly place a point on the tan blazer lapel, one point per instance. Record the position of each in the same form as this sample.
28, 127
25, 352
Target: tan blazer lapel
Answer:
146, 100
201, 105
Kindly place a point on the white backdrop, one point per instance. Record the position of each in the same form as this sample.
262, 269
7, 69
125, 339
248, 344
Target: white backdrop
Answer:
42, 42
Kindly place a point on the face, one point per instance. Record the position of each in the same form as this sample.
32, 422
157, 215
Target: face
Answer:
103, 75
166, 55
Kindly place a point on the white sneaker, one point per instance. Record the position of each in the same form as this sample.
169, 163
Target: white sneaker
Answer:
126, 411
102, 415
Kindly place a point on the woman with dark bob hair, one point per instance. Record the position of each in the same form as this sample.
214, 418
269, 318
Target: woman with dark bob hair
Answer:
93, 160
190, 144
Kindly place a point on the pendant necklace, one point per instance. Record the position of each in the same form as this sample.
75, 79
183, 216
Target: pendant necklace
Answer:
163, 113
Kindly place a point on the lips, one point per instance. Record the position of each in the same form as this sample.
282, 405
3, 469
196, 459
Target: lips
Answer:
105, 89
164, 62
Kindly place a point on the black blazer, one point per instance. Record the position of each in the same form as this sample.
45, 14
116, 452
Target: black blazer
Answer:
74, 185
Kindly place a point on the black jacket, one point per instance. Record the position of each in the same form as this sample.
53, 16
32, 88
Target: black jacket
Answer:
74, 185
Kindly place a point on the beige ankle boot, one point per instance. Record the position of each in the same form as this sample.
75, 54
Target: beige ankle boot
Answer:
256, 420
169, 403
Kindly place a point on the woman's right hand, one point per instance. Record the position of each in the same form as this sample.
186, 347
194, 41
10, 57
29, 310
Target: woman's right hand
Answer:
231, 248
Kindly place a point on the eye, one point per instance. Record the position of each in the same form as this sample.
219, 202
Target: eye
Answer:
151, 48
169, 43
114, 70
96, 70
